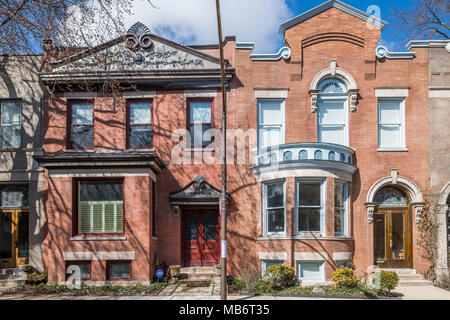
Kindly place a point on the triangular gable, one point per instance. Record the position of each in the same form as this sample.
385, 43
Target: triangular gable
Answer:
333, 4
199, 190
138, 50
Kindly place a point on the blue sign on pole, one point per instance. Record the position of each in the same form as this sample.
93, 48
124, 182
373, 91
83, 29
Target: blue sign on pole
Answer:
159, 273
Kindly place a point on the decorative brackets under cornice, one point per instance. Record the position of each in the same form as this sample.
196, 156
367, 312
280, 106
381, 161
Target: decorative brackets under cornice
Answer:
314, 95
353, 97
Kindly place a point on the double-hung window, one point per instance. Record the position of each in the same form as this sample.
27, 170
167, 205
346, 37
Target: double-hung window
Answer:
332, 118
274, 208
11, 114
81, 125
270, 122
200, 122
310, 206
140, 124
340, 208
391, 123
100, 206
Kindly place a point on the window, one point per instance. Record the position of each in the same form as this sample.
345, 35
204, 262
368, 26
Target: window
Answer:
332, 112
391, 123
310, 271
14, 196
340, 208
200, 121
84, 267
81, 125
119, 270
265, 264
140, 124
273, 205
153, 209
310, 206
11, 129
100, 206
270, 123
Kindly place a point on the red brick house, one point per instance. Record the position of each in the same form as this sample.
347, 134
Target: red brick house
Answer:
334, 169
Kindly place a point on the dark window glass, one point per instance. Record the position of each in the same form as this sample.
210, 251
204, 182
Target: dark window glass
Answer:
101, 190
82, 126
10, 123
309, 194
274, 202
14, 196
23, 235
140, 124
191, 226
309, 219
120, 270
210, 222
5, 235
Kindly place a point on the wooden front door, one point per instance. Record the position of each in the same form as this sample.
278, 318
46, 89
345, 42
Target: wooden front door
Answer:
13, 238
392, 238
201, 235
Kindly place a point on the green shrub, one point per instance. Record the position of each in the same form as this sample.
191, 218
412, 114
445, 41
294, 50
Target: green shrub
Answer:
238, 283
280, 276
345, 278
262, 286
37, 277
388, 280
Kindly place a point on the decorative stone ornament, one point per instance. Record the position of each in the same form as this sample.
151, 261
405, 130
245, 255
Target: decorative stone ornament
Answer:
353, 97
370, 211
138, 37
314, 95
419, 209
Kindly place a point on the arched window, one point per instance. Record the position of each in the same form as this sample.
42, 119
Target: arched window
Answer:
303, 155
332, 111
287, 156
390, 197
318, 155
331, 156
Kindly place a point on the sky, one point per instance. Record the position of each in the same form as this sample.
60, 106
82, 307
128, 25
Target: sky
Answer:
194, 21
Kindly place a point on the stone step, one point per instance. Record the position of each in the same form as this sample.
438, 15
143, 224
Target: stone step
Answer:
199, 270
195, 283
199, 275
12, 283
414, 283
400, 271
410, 277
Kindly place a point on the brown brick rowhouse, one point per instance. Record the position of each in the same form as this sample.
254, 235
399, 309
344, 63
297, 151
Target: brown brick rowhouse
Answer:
336, 165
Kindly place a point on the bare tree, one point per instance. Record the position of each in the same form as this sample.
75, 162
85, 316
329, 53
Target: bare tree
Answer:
425, 19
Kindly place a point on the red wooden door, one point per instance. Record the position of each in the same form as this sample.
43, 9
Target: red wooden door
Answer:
201, 231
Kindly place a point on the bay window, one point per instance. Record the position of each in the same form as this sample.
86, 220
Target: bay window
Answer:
274, 208
391, 123
200, 121
340, 208
11, 128
100, 207
270, 122
81, 125
310, 206
140, 124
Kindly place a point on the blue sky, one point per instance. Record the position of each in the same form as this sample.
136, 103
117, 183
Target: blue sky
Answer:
194, 21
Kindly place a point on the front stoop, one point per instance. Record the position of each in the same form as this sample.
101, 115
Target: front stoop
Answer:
195, 281
410, 278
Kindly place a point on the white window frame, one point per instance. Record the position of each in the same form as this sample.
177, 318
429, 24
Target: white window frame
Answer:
262, 126
402, 145
322, 273
264, 265
345, 208
266, 233
332, 98
11, 125
322, 182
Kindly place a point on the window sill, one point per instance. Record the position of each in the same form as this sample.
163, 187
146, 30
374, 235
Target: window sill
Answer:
98, 238
392, 150
142, 149
154, 238
304, 237
80, 150
199, 149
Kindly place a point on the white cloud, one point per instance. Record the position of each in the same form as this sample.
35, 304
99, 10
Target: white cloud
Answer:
194, 21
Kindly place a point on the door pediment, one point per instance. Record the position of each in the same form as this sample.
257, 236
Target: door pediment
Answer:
197, 191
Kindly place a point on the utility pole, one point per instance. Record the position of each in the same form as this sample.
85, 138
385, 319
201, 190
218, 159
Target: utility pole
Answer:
223, 198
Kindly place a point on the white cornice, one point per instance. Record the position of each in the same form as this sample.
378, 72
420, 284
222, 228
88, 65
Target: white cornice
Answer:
382, 52
427, 44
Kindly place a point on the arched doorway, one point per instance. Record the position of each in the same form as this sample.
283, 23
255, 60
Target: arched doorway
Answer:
392, 229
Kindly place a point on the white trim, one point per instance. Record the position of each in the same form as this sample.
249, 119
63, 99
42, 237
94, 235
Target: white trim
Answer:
282, 129
304, 173
391, 93
272, 255
382, 52
321, 270
102, 173
322, 102
245, 45
443, 93
200, 93
342, 256
272, 93
284, 52
139, 95
310, 256
340, 73
392, 150
86, 256
346, 213
427, 44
